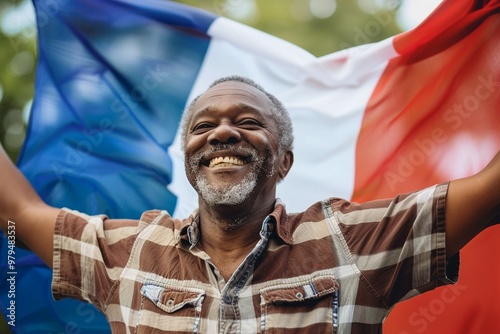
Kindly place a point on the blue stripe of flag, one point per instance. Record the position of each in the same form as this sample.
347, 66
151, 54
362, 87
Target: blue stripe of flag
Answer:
112, 82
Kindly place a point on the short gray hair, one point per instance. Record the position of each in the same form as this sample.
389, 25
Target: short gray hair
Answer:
279, 112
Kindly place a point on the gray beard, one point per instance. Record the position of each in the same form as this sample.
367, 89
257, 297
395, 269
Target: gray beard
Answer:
226, 194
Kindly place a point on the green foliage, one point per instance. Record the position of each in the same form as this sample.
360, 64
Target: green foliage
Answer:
293, 21
17, 68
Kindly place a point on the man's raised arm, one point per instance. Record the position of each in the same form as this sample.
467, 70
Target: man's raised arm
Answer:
473, 204
32, 220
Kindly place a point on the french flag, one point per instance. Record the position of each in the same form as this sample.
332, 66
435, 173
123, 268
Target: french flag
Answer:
371, 121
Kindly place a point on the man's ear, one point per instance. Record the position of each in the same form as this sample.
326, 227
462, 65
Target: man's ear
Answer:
286, 164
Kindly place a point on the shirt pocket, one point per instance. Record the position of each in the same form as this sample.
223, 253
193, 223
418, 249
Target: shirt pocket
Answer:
309, 306
170, 308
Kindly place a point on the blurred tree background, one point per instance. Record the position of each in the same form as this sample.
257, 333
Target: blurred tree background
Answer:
17, 68
319, 26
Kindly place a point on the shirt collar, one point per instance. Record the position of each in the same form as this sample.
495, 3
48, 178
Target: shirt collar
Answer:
190, 232
283, 226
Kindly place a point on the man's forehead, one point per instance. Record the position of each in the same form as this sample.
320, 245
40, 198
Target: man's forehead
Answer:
234, 91
235, 87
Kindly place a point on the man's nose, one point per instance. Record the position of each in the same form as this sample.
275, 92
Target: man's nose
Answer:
224, 133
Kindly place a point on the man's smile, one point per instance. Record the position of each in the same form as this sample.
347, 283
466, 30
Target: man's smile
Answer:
227, 161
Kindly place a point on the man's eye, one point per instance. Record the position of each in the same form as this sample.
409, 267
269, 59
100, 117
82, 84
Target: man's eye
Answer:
251, 123
202, 126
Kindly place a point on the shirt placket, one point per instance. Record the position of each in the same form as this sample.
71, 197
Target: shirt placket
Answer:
229, 308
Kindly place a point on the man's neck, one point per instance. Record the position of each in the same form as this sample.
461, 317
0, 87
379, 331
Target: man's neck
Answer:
228, 235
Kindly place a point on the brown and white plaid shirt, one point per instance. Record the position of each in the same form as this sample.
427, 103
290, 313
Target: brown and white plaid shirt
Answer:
338, 267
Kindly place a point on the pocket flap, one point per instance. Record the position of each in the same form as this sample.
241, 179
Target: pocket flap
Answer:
170, 299
299, 292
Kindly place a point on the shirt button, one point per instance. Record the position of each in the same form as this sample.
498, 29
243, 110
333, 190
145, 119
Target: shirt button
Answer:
228, 299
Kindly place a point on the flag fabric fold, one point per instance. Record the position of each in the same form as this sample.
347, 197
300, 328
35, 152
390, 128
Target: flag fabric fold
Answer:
114, 77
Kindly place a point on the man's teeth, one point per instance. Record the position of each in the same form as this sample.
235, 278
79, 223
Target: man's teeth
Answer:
226, 162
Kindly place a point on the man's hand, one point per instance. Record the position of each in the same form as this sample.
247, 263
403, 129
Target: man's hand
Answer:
19, 203
472, 205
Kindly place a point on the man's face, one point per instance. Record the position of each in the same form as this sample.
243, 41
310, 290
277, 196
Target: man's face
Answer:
232, 145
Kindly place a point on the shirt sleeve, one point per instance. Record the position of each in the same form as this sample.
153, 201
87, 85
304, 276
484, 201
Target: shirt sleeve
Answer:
90, 253
399, 244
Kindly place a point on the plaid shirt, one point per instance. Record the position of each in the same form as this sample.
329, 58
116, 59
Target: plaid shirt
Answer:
338, 267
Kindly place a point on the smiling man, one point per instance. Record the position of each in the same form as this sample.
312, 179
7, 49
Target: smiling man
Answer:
240, 263
235, 131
